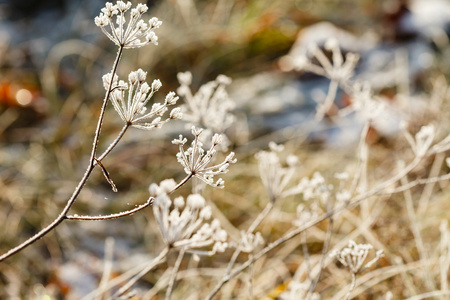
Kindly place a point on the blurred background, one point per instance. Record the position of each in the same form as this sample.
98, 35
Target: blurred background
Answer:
52, 57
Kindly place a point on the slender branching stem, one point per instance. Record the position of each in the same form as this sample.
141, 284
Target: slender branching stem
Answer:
352, 286
173, 276
156, 261
62, 216
112, 216
127, 212
252, 228
115, 142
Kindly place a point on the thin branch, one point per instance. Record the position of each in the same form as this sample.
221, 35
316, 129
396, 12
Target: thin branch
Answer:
158, 260
127, 212
112, 216
114, 143
62, 216
173, 276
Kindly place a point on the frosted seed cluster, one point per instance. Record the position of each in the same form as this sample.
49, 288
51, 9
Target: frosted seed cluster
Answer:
210, 107
130, 100
195, 159
354, 255
184, 223
132, 34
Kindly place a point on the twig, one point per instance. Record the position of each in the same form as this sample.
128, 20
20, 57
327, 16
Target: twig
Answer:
127, 212
158, 260
173, 276
109, 249
71, 201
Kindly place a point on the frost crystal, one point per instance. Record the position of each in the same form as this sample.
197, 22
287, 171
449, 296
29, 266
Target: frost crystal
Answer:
132, 34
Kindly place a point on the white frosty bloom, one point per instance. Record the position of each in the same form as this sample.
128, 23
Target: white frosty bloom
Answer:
195, 160
132, 34
274, 176
250, 241
210, 107
183, 224
130, 100
354, 255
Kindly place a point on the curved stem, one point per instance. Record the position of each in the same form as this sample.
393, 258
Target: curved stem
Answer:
128, 212
114, 143
112, 216
83, 180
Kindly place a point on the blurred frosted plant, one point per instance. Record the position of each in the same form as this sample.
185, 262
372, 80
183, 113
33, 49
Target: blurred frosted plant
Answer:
130, 100
299, 290
314, 188
195, 160
363, 101
132, 34
183, 224
353, 257
306, 214
210, 107
249, 241
274, 176
337, 68
422, 141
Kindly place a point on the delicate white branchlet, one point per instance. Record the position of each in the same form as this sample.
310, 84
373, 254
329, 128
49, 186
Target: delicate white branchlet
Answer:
299, 290
130, 100
250, 241
364, 102
210, 107
274, 176
314, 188
354, 255
422, 141
195, 160
183, 223
132, 34
306, 214
337, 69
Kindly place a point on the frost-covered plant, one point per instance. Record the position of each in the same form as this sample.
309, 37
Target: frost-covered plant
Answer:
183, 224
210, 107
274, 176
132, 107
354, 258
195, 160
132, 34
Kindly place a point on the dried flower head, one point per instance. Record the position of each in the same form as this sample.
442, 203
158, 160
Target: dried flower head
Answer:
210, 107
274, 176
130, 100
195, 160
183, 223
354, 255
250, 241
132, 34
422, 141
